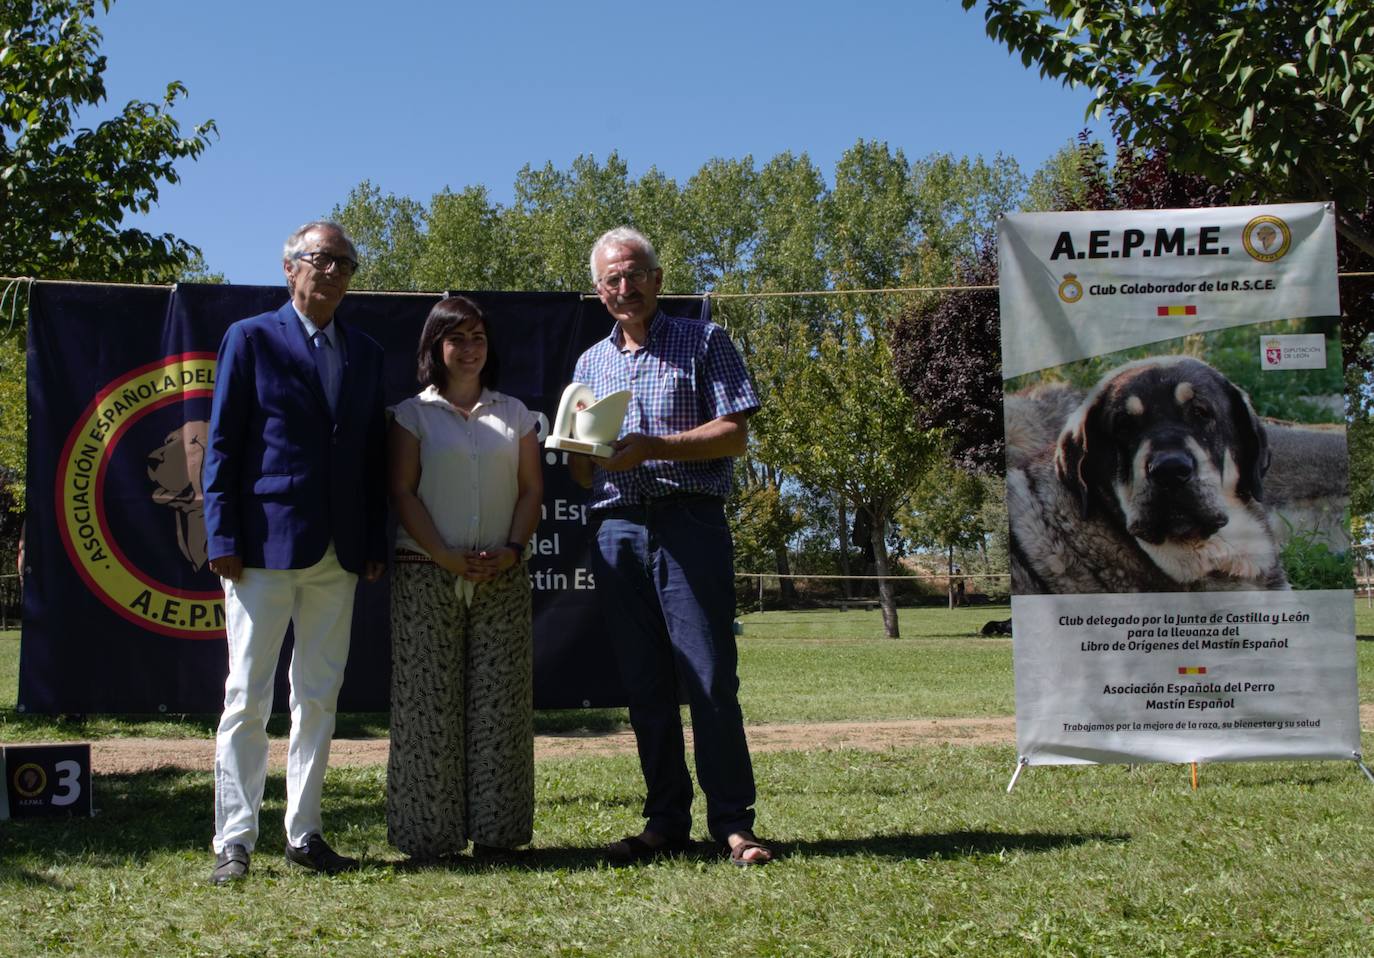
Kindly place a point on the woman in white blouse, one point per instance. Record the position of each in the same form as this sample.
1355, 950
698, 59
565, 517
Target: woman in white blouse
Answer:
465, 480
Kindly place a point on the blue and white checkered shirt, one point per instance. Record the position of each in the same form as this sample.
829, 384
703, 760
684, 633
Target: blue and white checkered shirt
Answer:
687, 373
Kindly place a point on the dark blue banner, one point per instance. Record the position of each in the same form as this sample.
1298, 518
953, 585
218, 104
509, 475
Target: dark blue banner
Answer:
121, 611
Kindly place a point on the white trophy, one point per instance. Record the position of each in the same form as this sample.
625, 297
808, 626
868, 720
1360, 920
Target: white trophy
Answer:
586, 424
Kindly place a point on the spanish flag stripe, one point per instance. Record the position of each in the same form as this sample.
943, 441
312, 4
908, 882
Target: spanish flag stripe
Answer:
1175, 310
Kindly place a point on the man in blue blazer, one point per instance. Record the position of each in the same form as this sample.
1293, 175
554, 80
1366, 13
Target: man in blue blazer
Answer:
295, 509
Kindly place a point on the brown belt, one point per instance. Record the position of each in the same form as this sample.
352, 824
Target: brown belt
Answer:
405, 555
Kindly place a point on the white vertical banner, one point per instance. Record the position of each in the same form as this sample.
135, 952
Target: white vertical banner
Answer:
1177, 485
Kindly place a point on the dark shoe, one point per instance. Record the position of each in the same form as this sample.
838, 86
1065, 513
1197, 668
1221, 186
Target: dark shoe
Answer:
318, 856
231, 865
633, 849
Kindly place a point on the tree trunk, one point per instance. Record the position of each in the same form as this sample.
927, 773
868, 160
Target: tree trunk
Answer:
842, 533
949, 575
787, 588
886, 593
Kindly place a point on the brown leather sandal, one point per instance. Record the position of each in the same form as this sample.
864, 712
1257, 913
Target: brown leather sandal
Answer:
737, 853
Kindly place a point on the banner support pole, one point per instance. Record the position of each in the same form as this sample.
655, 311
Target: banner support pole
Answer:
1022, 762
1359, 760
1193, 765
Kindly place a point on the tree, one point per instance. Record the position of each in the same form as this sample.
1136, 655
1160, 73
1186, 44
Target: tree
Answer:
65, 190
774, 334
468, 243
945, 512
946, 355
557, 216
389, 233
958, 201
1269, 96
850, 427
870, 217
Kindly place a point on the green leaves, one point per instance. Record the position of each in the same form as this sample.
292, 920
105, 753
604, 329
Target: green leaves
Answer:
65, 191
1270, 94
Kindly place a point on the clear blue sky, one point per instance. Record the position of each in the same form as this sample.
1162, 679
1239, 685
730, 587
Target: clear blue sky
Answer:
313, 97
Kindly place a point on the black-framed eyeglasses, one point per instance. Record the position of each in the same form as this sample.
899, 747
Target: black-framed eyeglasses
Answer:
324, 262
635, 277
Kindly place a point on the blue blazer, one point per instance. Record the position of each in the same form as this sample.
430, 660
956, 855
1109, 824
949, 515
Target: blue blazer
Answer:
283, 476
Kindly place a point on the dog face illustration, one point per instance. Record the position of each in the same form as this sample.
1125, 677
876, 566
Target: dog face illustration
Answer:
175, 467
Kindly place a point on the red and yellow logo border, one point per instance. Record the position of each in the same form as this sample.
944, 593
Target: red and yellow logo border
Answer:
81, 521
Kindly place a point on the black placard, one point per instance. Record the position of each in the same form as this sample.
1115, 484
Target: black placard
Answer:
48, 780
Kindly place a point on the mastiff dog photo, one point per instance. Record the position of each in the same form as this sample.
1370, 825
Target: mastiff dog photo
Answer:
1161, 478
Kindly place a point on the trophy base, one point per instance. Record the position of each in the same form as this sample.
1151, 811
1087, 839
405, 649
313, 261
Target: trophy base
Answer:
600, 450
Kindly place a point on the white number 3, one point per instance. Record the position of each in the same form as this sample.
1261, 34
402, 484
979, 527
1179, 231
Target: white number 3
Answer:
68, 782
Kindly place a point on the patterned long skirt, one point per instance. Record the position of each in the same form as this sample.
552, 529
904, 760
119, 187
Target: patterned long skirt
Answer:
462, 713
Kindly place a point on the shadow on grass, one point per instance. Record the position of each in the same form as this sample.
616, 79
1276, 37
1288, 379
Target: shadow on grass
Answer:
585, 721
165, 811
948, 845
145, 814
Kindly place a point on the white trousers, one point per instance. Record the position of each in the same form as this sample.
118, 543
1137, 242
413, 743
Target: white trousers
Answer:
319, 602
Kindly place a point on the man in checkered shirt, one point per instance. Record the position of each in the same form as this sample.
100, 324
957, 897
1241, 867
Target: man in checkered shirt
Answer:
663, 557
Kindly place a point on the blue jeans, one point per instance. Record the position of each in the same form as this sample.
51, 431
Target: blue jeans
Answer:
665, 574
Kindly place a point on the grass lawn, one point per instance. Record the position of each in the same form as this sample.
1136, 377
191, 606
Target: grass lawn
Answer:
901, 852
794, 667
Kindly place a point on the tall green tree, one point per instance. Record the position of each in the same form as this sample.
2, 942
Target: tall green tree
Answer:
656, 209
850, 427
870, 220
721, 207
957, 203
775, 334
557, 215
65, 189
468, 243
389, 231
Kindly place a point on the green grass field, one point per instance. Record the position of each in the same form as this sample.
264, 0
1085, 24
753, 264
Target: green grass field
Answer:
914, 851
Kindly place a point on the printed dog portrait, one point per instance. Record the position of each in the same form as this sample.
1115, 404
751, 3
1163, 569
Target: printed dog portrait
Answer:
175, 467
1153, 482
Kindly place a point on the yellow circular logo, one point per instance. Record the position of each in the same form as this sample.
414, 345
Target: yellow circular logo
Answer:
1267, 238
1071, 290
163, 473
30, 780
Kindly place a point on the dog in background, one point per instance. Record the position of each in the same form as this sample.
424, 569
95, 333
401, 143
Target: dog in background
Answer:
1154, 482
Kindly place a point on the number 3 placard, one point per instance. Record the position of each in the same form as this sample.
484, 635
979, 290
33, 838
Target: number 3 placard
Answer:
46, 780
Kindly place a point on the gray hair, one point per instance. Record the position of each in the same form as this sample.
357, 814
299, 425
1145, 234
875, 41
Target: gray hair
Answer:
622, 236
295, 243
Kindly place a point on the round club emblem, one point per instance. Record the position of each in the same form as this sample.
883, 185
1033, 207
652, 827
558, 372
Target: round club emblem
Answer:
1267, 238
30, 780
129, 498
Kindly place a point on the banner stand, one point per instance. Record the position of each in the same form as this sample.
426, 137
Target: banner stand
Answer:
1022, 762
